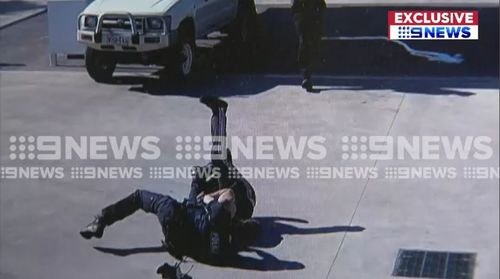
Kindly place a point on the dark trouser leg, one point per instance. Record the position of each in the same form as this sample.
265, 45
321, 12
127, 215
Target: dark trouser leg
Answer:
219, 134
204, 178
304, 49
163, 206
218, 129
305, 56
309, 32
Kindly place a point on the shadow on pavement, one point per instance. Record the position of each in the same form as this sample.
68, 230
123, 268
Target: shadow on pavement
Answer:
243, 85
11, 65
353, 45
272, 231
223, 70
131, 251
274, 228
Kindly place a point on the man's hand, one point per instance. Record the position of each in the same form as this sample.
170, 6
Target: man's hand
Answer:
200, 196
207, 199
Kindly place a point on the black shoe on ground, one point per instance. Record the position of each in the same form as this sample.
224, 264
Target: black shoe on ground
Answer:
213, 102
167, 271
94, 229
171, 272
307, 85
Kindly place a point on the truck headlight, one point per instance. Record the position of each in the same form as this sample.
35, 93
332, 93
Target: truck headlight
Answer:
155, 23
90, 22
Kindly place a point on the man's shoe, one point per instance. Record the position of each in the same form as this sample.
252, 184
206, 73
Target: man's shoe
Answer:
172, 272
213, 102
307, 85
94, 229
167, 271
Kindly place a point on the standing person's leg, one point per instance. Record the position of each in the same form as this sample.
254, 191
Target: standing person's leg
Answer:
317, 29
304, 49
163, 206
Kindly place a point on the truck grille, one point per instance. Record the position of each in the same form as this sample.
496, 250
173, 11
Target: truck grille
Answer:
122, 23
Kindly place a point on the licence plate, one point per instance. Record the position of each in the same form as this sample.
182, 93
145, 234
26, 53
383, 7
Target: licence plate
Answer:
116, 39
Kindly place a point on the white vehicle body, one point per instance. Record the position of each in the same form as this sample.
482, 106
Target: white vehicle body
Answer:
149, 25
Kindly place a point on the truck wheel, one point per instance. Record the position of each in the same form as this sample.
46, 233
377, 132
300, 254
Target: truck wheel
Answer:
99, 64
184, 55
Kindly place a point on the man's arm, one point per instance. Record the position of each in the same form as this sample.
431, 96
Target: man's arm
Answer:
224, 196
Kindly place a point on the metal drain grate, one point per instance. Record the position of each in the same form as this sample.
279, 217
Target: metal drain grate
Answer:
432, 264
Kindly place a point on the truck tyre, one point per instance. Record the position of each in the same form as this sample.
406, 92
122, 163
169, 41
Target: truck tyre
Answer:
184, 52
99, 64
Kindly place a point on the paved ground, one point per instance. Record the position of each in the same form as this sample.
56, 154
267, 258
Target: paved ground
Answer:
40, 218
343, 228
14, 11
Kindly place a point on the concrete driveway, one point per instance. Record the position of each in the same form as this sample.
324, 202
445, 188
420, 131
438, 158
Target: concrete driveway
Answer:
315, 224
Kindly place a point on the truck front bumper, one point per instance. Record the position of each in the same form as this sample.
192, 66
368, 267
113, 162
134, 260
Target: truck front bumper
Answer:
128, 35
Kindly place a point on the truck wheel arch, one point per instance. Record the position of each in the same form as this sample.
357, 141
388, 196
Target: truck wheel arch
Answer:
187, 25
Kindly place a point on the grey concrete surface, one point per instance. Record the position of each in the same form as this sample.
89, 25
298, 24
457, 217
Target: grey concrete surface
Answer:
40, 219
430, 213
12, 12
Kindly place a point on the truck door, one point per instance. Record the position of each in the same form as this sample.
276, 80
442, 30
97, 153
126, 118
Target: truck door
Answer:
227, 10
206, 16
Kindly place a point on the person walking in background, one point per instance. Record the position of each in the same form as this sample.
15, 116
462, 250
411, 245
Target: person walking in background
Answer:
308, 16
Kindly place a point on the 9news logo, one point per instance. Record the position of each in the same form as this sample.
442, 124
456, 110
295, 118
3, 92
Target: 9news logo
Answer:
433, 25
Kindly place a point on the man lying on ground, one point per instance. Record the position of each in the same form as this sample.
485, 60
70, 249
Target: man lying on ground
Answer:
203, 226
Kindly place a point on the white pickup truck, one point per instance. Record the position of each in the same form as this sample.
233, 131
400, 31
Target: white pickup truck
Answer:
159, 32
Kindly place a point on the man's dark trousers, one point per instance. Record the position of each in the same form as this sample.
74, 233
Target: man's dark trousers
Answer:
308, 18
164, 207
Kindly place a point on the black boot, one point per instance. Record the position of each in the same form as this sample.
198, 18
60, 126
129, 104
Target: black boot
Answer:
94, 229
172, 272
306, 79
307, 85
213, 103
